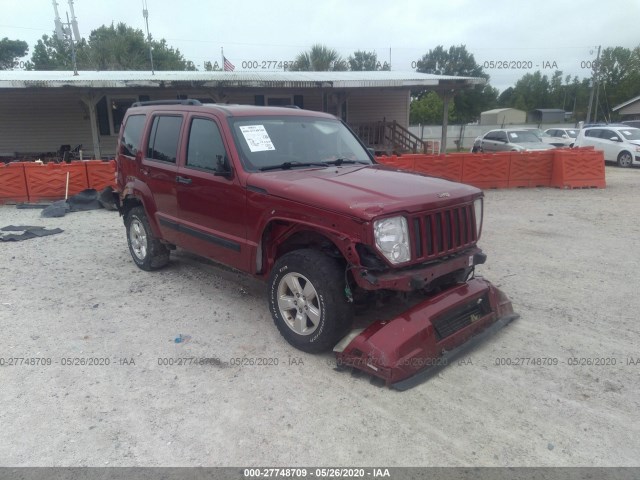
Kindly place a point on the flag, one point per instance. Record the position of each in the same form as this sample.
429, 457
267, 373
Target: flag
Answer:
228, 66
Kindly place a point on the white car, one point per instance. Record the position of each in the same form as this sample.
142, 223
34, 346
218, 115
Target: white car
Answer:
568, 135
619, 144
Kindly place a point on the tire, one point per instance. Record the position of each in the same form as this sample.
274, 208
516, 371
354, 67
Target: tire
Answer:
625, 159
147, 251
307, 300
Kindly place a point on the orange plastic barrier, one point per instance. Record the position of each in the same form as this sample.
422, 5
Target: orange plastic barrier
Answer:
13, 185
405, 162
563, 168
578, 168
486, 171
100, 174
47, 182
448, 167
531, 169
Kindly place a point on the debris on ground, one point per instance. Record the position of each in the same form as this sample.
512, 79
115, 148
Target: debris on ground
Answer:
28, 232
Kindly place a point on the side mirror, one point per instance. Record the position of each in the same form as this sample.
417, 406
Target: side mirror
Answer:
223, 168
615, 139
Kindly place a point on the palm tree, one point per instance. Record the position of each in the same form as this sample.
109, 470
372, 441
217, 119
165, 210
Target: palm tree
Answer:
319, 58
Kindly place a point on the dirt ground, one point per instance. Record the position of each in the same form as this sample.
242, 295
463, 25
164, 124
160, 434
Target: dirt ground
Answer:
568, 259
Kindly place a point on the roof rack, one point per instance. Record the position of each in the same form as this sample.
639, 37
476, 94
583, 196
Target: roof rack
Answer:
188, 101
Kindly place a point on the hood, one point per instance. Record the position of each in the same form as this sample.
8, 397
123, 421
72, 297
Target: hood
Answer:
363, 192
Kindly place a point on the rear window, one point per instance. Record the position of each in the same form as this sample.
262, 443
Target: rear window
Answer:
130, 143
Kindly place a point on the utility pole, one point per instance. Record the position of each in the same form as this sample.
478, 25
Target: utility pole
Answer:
65, 32
594, 82
145, 14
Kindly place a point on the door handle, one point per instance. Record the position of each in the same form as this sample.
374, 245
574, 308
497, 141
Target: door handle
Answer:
183, 180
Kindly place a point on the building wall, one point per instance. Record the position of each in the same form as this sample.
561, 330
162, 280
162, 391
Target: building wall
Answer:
375, 105
633, 109
37, 121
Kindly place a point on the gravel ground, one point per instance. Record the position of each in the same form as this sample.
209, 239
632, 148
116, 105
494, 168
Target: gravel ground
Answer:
566, 258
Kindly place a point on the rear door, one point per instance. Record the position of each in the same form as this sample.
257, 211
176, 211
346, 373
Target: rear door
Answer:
159, 170
591, 138
211, 201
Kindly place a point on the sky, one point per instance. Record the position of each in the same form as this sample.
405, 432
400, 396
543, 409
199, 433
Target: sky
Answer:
518, 36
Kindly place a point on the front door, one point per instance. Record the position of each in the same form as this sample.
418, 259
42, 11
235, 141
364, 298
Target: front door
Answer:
211, 201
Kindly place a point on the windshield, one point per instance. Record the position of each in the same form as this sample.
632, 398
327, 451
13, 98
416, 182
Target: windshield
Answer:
269, 143
631, 133
572, 133
523, 136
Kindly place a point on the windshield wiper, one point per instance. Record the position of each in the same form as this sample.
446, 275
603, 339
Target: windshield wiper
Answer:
288, 165
341, 161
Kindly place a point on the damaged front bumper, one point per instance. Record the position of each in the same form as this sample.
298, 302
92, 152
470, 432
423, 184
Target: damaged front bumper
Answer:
415, 345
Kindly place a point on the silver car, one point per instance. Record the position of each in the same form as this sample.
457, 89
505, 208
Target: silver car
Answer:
509, 140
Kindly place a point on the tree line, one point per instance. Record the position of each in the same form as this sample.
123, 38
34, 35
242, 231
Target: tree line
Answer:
120, 47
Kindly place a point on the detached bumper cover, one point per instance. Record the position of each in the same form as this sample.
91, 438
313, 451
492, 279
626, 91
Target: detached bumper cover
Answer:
413, 346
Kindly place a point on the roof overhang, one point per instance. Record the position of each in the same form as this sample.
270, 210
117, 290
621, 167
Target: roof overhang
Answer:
299, 80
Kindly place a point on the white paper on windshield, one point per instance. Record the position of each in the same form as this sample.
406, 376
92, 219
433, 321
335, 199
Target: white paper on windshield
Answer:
626, 132
257, 138
513, 135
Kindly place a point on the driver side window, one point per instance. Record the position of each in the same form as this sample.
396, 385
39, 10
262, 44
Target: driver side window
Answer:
206, 149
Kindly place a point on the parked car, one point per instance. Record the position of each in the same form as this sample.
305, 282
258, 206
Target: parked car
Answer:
509, 139
557, 142
568, 135
619, 144
293, 197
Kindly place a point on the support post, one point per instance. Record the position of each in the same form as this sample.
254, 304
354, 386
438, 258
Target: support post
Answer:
445, 121
91, 100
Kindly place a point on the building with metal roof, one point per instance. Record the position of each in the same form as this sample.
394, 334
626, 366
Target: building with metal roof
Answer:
630, 109
42, 110
503, 116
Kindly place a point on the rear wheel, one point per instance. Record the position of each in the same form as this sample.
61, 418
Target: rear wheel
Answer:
147, 251
625, 159
308, 301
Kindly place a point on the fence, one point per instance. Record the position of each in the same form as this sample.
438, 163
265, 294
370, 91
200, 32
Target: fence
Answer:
33, 182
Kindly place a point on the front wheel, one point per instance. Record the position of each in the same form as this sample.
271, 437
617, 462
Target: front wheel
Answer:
308, 301
147, 251
624, 159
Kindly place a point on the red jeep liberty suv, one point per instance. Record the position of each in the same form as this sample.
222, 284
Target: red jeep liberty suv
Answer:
294, 197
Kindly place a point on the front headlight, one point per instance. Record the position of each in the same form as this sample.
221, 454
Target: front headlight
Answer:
477, 208
392, 239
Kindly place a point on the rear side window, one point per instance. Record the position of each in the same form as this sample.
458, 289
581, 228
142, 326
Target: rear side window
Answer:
608, 134
206, 150
163, 142
131, 135
592, 133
